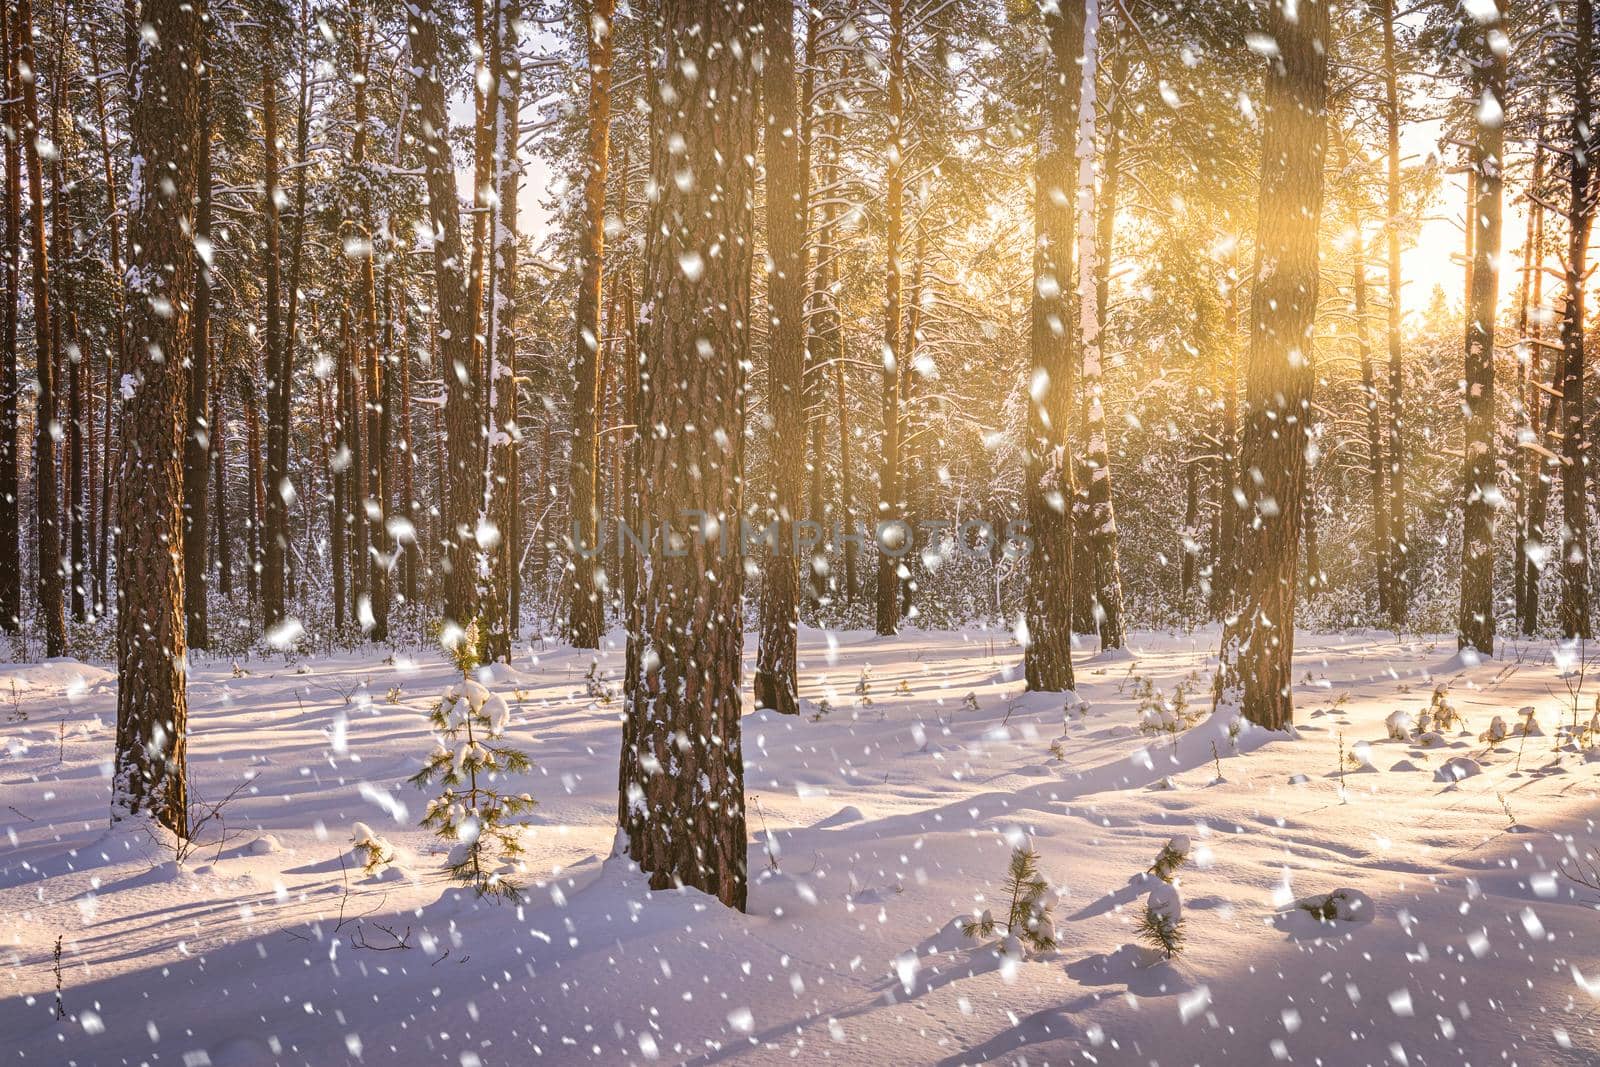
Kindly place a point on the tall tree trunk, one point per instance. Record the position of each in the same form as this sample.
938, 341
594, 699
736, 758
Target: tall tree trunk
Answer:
275, 526
1258, 640
219, 458
500, 486
116, 361
1485, 156
681, 786
1400, 545
52, 608
152, 713
776, 685
197, 436
11, 28
1527, 467
339, 517
1375, 443
1574, 439
1100, 514
888, 516
586, 622
372, 561
463, 428
1047, 654
1534, 550
1224, 568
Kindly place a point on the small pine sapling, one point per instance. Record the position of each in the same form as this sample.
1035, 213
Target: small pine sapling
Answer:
375, 853
1161, 925
970, 701
469, 759
1173, 855
864, 687
1028, 918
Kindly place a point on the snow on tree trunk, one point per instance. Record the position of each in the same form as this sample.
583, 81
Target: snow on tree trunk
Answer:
1101, 520
496, 525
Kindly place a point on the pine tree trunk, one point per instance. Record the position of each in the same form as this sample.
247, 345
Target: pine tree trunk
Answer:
586, 622
1224, 567
1529, 469
197, 436
1258, 641
10, 485
463, 427
500, 475
1485, 156
116, 360
1537, 537
889, 515
219, 457
275, 520
681, 786
1575, 622
372, 561
149, 775
1375, 443
776, 685
1399, 547
52, 608
1100, 515
1047, 654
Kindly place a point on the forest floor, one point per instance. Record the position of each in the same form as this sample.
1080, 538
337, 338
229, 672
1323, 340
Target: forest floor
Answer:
877, 819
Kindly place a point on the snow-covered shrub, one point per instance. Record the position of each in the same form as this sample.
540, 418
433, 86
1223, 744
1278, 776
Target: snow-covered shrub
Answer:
1497, 731
1161, 926
1173, 854
1440, 714
470, 760
1341, 905
1400, 725
1028, 918
374, 852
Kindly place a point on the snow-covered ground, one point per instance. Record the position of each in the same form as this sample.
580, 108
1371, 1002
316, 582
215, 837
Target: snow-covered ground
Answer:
876, 820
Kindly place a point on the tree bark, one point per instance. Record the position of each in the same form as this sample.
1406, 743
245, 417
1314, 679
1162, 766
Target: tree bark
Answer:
1374, 421
681, 786
463, 427
889, 516
275, 521
197, 436
776, 685
52, 608
1258, 641
1100, 514
1400, 548
1575, 622
1485, 156
586, 620
11, 27
1047, 654
149, 775
500, 485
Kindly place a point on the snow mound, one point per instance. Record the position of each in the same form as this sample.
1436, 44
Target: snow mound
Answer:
265, 845
843, 817
1341, 905
1457, 768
